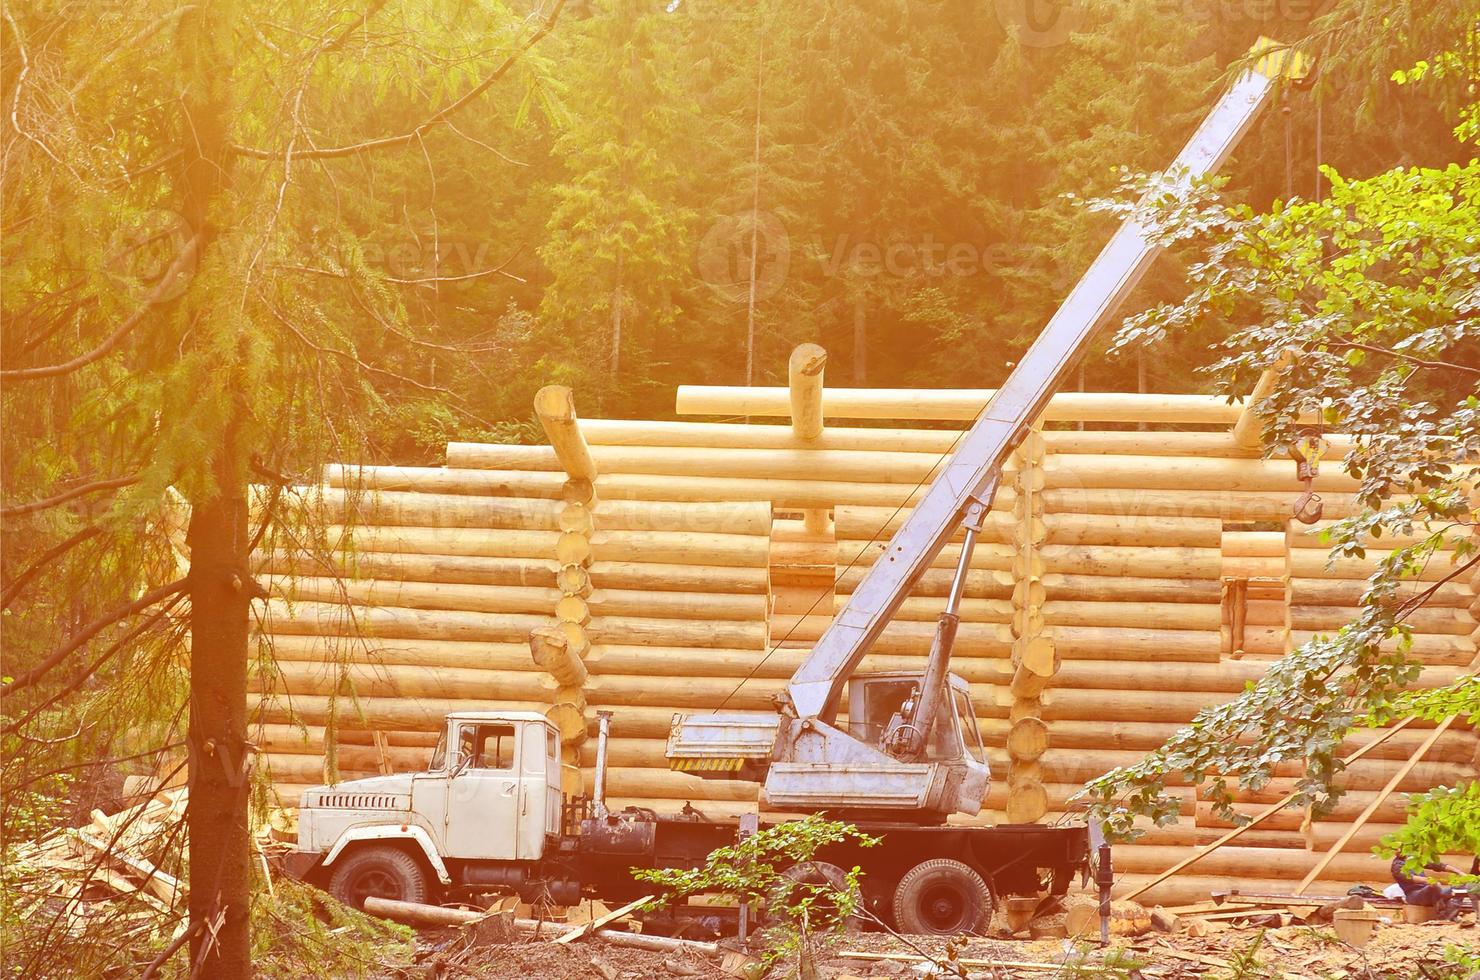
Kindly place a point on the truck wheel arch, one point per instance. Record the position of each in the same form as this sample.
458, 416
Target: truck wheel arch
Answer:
411, 836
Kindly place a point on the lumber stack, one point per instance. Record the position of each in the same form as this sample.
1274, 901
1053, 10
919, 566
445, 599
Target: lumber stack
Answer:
1123, 581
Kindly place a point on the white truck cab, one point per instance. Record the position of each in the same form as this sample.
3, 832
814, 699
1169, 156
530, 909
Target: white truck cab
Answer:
491, 793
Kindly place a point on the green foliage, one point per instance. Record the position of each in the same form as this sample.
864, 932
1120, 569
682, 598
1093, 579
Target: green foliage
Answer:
754, 871
1371, 294
298, 931
1444, 820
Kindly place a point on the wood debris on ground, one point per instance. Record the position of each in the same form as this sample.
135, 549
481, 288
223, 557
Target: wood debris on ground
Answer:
116, 867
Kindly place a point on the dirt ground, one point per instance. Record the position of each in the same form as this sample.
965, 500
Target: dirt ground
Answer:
1396, 952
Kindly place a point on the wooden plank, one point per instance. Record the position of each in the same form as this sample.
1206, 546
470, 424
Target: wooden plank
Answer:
597, 923
1377, 801
855, 954
1264, 814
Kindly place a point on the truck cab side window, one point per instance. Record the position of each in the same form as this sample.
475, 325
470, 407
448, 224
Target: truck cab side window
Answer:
494, 747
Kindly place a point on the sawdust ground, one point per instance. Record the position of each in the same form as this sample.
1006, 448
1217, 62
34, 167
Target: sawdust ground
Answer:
1396, 952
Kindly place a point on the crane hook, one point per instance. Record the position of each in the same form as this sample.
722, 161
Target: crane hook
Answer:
1306, 451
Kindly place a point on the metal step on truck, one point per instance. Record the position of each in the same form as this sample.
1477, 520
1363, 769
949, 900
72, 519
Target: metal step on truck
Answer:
488, 814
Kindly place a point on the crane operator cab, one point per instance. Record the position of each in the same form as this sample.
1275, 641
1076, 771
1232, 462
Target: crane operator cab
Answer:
849, 766
882, 704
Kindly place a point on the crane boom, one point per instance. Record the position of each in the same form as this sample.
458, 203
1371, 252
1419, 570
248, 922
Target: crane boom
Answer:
976, 466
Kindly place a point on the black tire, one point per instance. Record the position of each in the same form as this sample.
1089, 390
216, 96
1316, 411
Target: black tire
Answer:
820, 873
942, 897
384, 872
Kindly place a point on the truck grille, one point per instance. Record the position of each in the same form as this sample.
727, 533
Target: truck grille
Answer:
359, 801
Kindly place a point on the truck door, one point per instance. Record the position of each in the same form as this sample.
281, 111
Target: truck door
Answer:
539, 810
483, 794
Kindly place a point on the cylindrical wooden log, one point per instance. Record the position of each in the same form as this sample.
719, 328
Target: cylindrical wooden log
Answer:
981, 583
882, 403
530, 572
1233, 860
1310, 563
310, 739
689, 462
1209, 501
804, 378
1028, 739
1248, 428
416, 509
726, 435
555, 406
576, 491
1032, 678
1173, 563
420, 714
577, 518
550, 650
570, 718
870, 523
1187, 473
400, 680
1454, 622
1253, 544
1027, 802
436, 479
667, 547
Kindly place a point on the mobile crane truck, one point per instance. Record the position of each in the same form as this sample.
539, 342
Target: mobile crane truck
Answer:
488, 813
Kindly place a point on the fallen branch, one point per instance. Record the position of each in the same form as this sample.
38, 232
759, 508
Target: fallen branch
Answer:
415, 913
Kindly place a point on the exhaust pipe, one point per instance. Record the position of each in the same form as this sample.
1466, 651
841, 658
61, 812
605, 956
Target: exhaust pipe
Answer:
598, 792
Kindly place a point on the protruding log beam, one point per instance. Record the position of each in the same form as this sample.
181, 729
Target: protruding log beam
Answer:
570, 718
1248, 428
551, 651
556, 408
804, 379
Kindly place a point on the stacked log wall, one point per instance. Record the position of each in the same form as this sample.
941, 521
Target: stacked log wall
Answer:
1158, 572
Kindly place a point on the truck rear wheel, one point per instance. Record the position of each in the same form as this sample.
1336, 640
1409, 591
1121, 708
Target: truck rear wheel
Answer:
816, 878
942, 897
381, 872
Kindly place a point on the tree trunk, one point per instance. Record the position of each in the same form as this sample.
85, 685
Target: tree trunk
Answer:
219, 598
220, 587
755, 220
860, 344
616, 361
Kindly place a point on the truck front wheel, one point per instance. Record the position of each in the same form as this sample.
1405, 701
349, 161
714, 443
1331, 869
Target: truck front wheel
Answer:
942, 897
381, 872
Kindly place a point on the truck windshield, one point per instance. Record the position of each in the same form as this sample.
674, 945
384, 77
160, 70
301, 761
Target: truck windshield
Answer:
971, 733
439, 754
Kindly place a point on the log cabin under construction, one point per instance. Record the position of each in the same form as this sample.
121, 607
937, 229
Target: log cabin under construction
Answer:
1141, 562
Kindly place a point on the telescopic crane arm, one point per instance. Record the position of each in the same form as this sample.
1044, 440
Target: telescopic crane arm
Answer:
972, 475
